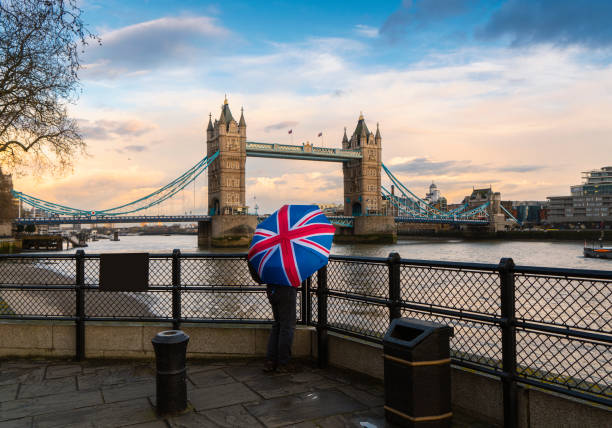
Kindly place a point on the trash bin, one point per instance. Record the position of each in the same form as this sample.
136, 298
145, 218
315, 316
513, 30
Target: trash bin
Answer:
171, 386
417, 373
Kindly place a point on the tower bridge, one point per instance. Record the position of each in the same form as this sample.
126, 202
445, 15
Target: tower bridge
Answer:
226, 223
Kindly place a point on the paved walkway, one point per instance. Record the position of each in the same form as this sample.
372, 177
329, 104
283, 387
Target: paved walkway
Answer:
228, 393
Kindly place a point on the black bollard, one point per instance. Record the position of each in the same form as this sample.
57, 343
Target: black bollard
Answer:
170, 352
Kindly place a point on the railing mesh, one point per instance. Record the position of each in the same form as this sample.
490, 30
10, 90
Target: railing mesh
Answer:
468, 290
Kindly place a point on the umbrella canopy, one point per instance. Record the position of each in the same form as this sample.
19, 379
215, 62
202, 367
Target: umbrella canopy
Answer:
291, 244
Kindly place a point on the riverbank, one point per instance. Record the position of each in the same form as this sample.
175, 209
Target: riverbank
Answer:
10, 245
519, 235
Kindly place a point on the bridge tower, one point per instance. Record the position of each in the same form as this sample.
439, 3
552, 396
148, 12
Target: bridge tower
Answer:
362, 176
362, 196
226, 188
230, 226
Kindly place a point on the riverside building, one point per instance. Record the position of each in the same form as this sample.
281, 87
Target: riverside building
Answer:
589, 205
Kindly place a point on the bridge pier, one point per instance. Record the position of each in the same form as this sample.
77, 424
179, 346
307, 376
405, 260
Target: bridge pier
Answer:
369, 230
226, 231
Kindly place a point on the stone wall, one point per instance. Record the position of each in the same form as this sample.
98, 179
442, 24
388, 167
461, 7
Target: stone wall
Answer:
6, 228
133, 340
233, 230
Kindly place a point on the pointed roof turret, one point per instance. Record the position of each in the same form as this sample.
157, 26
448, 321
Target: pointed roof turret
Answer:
242, 122
210, 125
226, 114
361, 128
345, 138
377, 136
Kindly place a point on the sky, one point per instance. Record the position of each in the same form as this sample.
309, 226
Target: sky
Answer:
512, 94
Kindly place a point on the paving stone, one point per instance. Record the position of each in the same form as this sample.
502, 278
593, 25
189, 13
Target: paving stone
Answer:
128, 391
232, 416
24, 364
8, 392
142, 371
277, 386
48, 387
17, 423
152, 424
113, 376
102, 416
244, 373
210, 378
314, 380
221, 396
362, 396
21, 375
54, 372
374, 416
190, 420
303, 407
48, 404
196, 368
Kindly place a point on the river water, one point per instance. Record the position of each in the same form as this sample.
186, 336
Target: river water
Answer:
564, 254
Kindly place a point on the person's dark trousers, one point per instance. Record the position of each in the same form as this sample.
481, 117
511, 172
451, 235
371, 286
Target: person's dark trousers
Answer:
282, 298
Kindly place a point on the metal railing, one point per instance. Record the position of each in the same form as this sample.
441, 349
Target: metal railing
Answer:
545, 327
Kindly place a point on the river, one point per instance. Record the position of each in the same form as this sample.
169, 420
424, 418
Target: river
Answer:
564, 254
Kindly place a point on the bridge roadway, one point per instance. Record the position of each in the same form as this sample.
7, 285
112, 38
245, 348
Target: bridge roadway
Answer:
346, 221
303, 152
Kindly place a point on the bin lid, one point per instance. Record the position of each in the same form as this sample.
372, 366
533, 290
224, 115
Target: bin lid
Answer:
411, 331
170, 336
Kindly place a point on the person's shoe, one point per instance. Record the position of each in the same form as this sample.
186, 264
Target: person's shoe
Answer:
288, 368
269, 366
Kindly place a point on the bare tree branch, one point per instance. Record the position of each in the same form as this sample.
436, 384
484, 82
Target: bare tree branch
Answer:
40, 41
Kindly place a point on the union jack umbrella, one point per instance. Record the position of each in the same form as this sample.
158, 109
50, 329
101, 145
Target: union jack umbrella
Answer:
291, 244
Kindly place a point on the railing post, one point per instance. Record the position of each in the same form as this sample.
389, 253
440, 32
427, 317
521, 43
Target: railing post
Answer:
176, 289
308, 301
395, 293
508, 331
322, 341
80, 306
303, 302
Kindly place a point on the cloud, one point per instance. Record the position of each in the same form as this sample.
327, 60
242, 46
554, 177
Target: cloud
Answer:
138, 48
105, 129
557, 22
135, 148
280, 125
415, 13
522, 168
315, 63
366, 31
425, 166
101, 188
297, 188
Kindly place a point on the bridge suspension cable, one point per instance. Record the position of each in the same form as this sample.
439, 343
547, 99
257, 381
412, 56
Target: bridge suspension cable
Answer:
411, 205
150, 200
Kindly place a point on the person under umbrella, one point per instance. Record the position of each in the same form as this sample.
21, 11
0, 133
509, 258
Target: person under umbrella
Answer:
287, 248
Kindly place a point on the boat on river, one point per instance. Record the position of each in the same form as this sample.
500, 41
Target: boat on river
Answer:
598, 251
